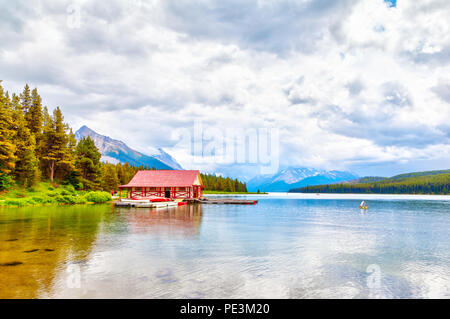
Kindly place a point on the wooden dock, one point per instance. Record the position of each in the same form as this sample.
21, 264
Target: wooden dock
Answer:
222, 201
208, 201
146, 205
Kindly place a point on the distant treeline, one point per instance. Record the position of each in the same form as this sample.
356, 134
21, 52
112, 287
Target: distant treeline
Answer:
218, 183
434, 182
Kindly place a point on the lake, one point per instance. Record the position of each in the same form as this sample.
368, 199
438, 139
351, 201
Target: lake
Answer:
286, 246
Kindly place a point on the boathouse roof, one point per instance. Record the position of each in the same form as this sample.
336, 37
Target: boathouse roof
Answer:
165, 178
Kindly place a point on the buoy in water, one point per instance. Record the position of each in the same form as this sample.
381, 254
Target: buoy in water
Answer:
363, 205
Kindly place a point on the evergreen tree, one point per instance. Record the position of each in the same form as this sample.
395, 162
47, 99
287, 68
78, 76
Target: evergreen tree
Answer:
120, 174
56, 153
72, 147
7, 133
110, 180
34, 116
25, 99
88, 162
46, 118
40, 145
229, 185
237, 186
26, 171
128, 173
220, 184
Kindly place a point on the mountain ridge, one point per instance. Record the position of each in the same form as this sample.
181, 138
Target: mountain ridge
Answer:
115, 151
294, 177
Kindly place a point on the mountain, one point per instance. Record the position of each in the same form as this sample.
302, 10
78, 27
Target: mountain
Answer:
114, 151
430, 182
295, 177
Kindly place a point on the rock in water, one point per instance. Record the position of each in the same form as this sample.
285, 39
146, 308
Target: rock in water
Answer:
11, 264
31, 251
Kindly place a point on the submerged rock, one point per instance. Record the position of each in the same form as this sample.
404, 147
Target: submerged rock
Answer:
11, 264
166, 276
31, 251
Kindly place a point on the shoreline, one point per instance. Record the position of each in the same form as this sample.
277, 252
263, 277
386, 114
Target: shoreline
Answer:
273, 195
52, 205
232, 193
361, 196
46, 194
338, 196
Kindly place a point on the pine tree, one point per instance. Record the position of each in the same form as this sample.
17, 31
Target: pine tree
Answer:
25, 99
110, 180
229, 185
128, 173
121, 174
72, 145
26, 171
237, 186
34, 116
7, 133
88, 162
46, 118
220, 186
56, 153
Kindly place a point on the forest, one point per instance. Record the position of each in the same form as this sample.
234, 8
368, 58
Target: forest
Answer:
223, 184
434, 183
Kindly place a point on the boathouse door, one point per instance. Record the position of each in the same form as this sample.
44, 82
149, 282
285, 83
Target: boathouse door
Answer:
167, 193
195, 192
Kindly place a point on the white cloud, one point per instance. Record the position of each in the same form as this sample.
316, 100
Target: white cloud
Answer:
345, 82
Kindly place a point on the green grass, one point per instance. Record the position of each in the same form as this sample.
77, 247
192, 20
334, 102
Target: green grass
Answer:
47, 194
231, 193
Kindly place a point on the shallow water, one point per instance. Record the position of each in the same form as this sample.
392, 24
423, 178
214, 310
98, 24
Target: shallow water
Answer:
290, 246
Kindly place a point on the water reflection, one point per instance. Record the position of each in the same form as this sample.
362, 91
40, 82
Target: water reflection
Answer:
280, 248
38, 245
136, 252
181, 222
35, 242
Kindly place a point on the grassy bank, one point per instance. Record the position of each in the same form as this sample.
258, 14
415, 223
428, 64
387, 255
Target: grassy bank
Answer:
46, 194
231, 193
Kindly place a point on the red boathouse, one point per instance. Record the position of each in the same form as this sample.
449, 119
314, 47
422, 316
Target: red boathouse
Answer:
164, 183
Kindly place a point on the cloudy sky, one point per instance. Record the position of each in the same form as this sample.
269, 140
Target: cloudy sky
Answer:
362, 85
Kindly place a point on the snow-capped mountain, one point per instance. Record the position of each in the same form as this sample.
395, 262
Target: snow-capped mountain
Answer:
114, 151
294, 177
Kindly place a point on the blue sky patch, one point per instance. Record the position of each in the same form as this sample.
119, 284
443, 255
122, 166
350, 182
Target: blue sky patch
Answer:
391, 3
